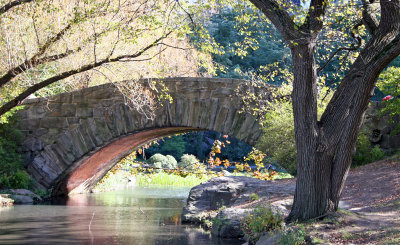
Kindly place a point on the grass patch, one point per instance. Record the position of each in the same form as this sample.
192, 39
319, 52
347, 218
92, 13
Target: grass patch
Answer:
112, 181
122, 172
167, 179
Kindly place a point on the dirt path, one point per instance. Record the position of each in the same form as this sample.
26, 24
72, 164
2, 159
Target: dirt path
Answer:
372, 199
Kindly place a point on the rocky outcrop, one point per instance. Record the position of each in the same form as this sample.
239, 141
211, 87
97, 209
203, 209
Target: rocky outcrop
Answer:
22, 196
224, 201
381, 128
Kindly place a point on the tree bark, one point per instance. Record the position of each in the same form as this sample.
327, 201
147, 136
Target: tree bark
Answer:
325, 148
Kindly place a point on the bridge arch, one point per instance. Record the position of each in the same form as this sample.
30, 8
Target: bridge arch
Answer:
72, 139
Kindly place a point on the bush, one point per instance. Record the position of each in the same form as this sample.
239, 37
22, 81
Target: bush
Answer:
365, 152
161, 161
172, 162
263, 219
388, 82
277, 140
12, 172
188, 162
293, 236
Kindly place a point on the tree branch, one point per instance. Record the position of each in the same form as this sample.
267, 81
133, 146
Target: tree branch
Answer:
314, 19
280, 18
18, 100
34, 61
355, 47
369, 17
12, 4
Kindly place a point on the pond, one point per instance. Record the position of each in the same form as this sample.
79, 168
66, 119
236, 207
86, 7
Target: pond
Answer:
134, 215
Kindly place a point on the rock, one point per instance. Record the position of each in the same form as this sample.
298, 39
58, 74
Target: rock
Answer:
269, 239
23, 196
226, 173
228, 191
226, 200
228, 222
21, 199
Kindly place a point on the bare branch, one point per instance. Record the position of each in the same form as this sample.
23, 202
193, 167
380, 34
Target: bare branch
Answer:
18, 100
36, 31
12, 4
176, 47
353, 48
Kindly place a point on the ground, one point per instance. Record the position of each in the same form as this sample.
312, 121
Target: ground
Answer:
371, 208
371, 199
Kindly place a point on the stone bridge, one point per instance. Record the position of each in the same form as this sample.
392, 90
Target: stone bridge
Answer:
71, 140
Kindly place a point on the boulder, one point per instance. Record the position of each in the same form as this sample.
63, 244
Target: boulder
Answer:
226, 200
227, 222
23, 196
269, 239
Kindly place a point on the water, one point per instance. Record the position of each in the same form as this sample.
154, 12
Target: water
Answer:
135, 215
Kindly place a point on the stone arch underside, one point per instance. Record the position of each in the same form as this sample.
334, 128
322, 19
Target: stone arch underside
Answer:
71, 140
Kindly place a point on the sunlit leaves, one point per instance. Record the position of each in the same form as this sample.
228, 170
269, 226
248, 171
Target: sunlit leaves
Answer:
389, 83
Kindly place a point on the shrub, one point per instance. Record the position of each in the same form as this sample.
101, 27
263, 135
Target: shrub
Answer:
293, 236
161, 161
365, 152
263, 219
277, 140
172, 163
188, 162
388, 82
12, 172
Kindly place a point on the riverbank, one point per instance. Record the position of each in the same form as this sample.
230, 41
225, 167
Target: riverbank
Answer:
369, 214
10, 197
122, 175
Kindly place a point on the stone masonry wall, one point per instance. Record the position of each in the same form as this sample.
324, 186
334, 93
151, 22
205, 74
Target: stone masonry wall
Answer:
61, 130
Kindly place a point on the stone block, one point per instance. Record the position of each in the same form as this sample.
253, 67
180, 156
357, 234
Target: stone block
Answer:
73, 120
40, 131
54, 122
29, 124
102, 130
37, 111
84, 112
67, 147
32, 144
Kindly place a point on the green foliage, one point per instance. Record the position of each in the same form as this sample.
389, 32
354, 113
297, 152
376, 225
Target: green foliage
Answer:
365, 152
389, 83
278, 140
12, 173
188, 162
293, 236
161, 161
173, 145
171, 179
254, 197
246, 42
263, 219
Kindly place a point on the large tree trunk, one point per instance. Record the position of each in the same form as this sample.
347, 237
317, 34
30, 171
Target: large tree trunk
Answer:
325, 147
313, 185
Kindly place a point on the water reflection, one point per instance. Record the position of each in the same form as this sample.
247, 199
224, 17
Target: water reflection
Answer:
130, 216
